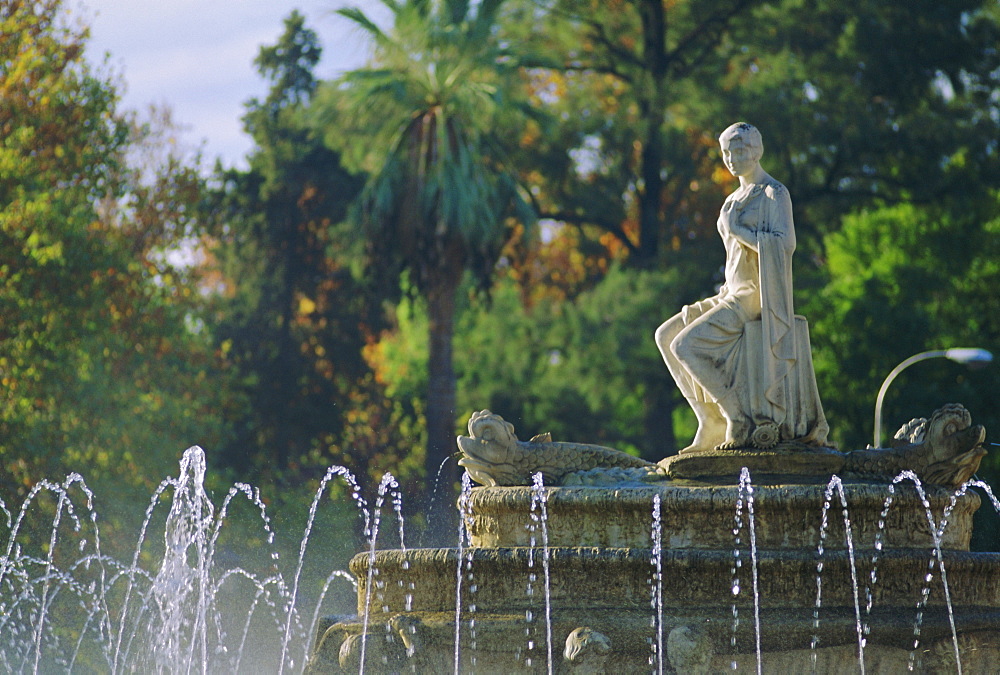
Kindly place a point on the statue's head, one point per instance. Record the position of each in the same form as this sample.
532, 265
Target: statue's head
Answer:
741, 141
747, 134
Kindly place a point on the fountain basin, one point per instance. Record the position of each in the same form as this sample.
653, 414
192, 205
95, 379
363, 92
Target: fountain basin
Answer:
510, 603
612, 591
610, 578
507, 643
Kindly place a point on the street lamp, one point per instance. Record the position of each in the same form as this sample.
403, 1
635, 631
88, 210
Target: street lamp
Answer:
968, 355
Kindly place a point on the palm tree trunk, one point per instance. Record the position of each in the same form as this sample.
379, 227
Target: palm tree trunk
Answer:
654, 27
660, 436
441, 388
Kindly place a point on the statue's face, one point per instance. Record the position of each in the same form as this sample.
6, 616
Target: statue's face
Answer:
739, 157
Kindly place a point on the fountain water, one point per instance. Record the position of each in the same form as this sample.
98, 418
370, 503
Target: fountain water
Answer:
596, 547
837, 485
656, 599
466, 561
76, 607
746, 493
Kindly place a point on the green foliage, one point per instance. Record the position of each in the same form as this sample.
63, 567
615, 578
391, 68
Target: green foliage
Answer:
585, 370
854, 109
99, 361
632, 153
50, 105
856, 114
905, 279
858, 111
289, 66
427, 119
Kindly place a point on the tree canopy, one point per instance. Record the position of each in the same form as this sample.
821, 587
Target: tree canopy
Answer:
334, 310
99, 359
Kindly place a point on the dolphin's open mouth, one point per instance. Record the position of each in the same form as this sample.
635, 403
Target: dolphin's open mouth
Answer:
479, 469
973, 435
472, 448
474, 467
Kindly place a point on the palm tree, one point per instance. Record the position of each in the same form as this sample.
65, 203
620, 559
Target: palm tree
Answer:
442, 199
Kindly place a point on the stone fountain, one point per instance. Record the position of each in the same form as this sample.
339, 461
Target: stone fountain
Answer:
759, 547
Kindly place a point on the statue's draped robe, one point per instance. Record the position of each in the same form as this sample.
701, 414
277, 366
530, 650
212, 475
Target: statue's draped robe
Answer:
750, 347
775, 244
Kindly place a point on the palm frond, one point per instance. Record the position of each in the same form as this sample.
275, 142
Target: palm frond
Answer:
441, 88
368, 76
362, 21
486, 18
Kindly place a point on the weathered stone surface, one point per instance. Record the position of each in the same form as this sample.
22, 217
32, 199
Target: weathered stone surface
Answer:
943, 450
980, 655
586, 651
497, 580
690, 650
789, 460
608, 584
702, 516
509, 643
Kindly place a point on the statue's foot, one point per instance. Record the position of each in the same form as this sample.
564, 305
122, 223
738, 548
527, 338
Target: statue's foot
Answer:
703, 443
732, 445
737, 434
711, 428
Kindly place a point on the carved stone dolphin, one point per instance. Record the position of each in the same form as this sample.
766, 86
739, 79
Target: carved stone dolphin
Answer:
493, 455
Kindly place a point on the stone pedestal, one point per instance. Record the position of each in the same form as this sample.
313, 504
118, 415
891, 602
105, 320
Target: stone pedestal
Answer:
788, 460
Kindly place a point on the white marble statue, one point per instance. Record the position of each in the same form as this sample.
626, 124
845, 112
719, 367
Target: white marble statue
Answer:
741, 358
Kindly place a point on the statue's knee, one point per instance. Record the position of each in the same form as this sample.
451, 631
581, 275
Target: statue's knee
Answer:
680, 347
689, 345
660, 336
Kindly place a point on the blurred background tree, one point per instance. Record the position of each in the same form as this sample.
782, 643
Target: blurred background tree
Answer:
290, 319
644, 88
103, 362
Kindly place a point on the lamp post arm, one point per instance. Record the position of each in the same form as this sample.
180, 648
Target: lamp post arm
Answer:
922, 356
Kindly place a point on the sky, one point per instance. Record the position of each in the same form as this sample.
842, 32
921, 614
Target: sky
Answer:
196, 57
